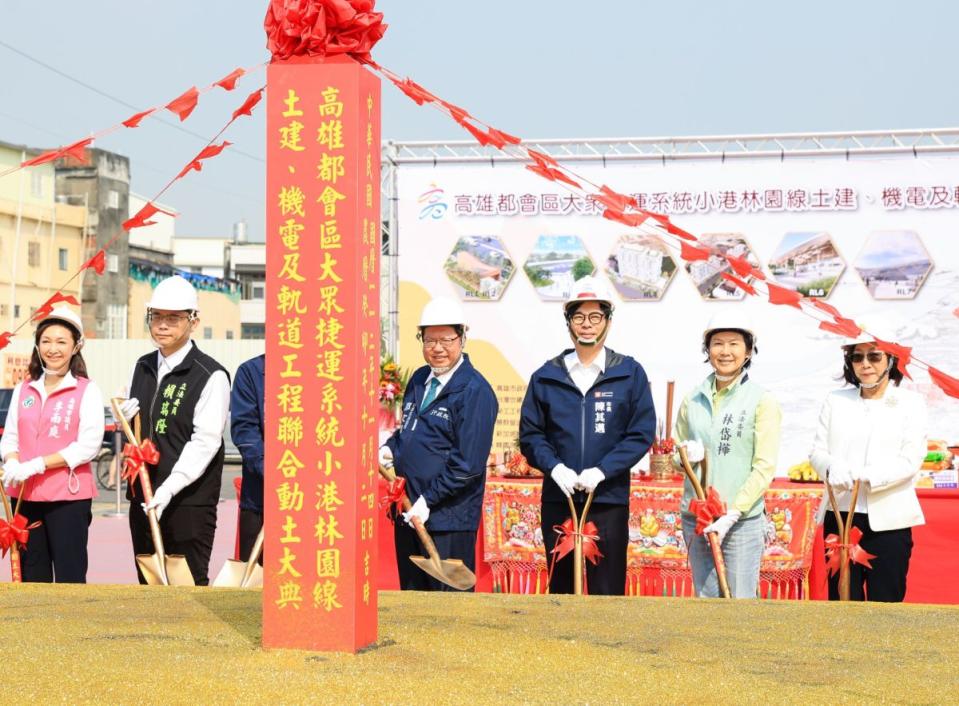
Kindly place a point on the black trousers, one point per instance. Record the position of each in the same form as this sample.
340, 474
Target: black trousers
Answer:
185, 529
450, 545
250, 524
57, 549
886, 580
608, 577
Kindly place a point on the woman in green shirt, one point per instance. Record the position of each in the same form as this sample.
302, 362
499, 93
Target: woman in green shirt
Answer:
737, 423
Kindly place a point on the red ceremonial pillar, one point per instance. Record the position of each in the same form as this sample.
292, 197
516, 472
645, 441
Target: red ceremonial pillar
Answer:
322, 354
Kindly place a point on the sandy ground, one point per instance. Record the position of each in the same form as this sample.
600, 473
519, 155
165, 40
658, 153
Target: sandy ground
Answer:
128, 644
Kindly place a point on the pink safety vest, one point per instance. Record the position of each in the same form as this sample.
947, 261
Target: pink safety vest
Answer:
47, 428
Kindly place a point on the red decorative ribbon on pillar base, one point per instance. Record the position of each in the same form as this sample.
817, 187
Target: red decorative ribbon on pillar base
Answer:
707, 511
136, 456
855, 553
394, 494
17, 532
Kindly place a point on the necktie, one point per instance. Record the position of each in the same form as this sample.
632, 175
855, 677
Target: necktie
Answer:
430, 394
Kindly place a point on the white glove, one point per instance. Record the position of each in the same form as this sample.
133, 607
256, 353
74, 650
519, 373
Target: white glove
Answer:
565, 477
23, 470
419, 510
161, 498
722, 525
694, 450
589, 478
129, 408
11, 470
839, 476
386, 457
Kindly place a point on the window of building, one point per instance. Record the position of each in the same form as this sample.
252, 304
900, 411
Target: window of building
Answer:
113, 263
116, 321
33, 254
36, 184
207, 332
16, 311
113, 199
229, 335
259, 290
3, 310
64, 259
253, 331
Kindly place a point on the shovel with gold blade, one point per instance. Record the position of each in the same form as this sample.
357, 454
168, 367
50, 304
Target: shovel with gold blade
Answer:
452, 572
243, 574
159, 568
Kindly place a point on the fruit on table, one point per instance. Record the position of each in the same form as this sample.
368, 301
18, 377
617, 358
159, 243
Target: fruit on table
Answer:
803, 472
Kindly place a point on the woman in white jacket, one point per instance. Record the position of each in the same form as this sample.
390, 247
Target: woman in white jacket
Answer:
873, 432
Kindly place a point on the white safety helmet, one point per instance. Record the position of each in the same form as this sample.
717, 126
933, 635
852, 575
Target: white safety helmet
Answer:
872, 328
174, 294
730, 319
67, 315
443, 311
590, 289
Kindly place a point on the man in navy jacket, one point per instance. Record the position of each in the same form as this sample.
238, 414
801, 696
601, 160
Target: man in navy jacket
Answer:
442, 446
246, 430
587, 419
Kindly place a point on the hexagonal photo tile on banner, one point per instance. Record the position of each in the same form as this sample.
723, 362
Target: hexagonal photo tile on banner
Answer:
555, 263
479, 267
640, 267
807, 262
893, 264
707, 274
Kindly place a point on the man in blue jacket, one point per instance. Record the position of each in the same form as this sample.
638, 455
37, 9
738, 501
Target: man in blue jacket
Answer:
246, 430
441, 447
587, 419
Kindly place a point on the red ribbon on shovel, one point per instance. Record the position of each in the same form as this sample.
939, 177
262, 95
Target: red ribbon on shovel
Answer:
17, 531
567, 538
135, 456
856, 554
394, 493
707, 511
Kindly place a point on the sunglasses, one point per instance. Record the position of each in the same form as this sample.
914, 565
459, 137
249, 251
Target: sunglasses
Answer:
871, 356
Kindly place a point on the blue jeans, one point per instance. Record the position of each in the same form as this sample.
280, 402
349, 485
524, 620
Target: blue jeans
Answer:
742, 550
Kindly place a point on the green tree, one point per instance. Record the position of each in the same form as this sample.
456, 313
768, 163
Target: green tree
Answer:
582, 268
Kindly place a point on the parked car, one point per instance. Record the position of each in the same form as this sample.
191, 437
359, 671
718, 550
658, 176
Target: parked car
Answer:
6, 395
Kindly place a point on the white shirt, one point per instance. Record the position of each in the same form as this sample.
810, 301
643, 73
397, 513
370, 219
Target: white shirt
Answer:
585, 375
443, 379
89, 432
210, 416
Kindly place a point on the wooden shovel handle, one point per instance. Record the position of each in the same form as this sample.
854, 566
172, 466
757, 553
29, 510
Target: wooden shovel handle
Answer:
390, 475
711, 538
15, 574
670, 386
145, 484
254, 556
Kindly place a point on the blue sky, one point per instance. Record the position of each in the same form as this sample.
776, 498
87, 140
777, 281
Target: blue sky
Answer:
537, 69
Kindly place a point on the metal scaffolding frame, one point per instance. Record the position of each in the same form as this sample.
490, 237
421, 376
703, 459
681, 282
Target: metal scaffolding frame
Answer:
637, 149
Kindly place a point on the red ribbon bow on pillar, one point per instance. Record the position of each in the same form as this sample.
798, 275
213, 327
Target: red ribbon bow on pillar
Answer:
567, 538
856, 554
708, 510
394, 492
17, 531
135, 456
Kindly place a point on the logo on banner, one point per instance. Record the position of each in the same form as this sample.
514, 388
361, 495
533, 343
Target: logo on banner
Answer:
434, 201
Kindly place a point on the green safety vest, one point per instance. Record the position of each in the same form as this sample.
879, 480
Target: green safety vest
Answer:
728, 435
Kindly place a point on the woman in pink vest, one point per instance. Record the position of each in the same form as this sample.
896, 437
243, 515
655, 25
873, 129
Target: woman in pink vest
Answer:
53, 430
